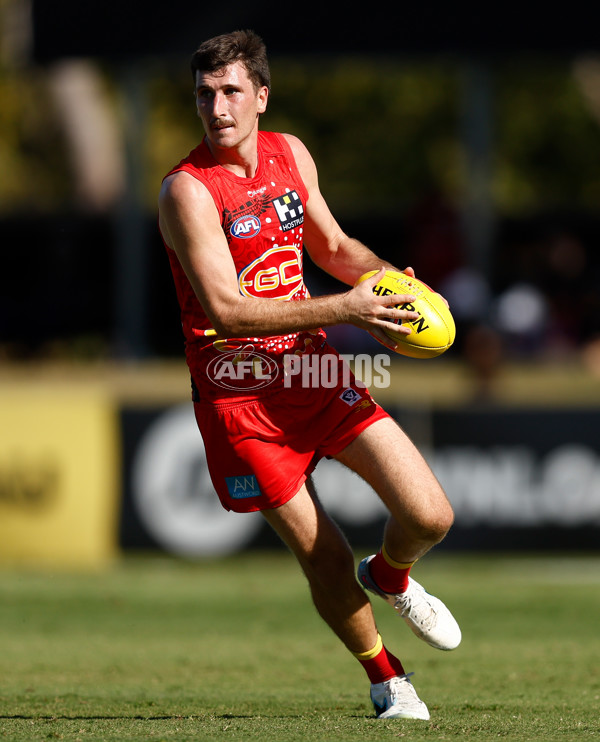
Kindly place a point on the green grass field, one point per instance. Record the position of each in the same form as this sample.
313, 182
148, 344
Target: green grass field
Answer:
158, 649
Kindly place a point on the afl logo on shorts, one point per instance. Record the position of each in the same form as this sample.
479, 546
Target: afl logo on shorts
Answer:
245, 227
242, 370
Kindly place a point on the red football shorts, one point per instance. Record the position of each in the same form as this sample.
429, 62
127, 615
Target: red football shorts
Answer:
260, 452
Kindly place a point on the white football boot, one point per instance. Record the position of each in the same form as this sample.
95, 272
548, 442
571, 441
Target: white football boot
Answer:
425, 614
397, 699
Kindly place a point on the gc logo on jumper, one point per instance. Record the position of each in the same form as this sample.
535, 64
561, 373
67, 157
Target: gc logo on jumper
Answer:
289, 210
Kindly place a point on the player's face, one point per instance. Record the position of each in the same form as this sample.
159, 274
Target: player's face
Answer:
229, 105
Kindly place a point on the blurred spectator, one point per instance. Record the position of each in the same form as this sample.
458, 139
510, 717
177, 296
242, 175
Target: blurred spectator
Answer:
434, 241
591, 356
568, 282
483, 351
469, 295
92, 133
521, 315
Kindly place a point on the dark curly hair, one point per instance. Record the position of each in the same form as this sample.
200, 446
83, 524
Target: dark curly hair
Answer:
239, 46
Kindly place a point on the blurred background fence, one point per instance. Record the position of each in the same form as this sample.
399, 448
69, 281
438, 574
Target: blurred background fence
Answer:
464, 143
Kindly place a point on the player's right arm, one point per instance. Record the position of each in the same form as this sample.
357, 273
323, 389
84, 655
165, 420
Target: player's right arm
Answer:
190, 225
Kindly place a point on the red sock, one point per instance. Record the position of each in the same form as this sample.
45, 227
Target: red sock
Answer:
380, 665
389, 575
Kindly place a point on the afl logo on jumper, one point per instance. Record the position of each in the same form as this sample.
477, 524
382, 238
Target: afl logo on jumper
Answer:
276, 274
245, 227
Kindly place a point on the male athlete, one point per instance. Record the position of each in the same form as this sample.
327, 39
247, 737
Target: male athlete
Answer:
235, 215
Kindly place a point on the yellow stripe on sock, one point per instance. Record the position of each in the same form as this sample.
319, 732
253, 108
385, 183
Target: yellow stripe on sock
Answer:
393, 563
372, 652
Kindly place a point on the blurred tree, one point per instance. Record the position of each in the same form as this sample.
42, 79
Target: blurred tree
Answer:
35, 173
378, 139
384, 131
547, 138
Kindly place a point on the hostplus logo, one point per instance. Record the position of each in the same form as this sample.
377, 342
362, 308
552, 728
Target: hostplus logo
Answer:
289, 210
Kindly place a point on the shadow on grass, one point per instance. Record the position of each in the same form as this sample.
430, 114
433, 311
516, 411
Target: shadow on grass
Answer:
165, 717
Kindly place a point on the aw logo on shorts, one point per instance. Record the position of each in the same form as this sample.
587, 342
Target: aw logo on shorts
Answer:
290, 210
244, 486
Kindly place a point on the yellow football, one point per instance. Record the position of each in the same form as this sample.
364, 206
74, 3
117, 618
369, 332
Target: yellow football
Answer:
434, 330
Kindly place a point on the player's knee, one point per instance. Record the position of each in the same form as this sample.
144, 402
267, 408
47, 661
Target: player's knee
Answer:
444, 523
432, 526
445, 518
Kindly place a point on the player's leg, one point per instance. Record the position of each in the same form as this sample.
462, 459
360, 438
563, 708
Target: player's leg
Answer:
420, 513
420, 516
328, 563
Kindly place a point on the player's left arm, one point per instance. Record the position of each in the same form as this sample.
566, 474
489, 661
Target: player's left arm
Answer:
343, 257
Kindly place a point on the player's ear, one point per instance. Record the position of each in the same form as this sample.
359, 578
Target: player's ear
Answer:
263, 97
